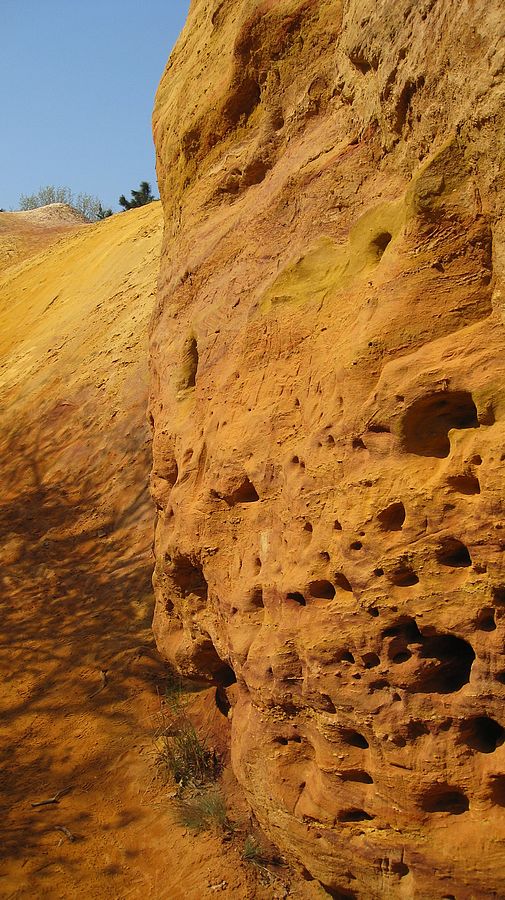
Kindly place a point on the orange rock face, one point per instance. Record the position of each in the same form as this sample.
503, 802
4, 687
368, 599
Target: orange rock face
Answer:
328, 406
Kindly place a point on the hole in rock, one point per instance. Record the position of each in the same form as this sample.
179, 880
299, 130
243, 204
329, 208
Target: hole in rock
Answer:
321, 590
284, 741
403, 576
308, 527
358, 444
392, 518
244, 493
378, 428
482, 733
326, 703
324, 555
402, 657
453, 662
337, 526
497, 785
405, 628
189, 364
347, 656
400, 868
452, 552
500, 676
445, 661
356, 545
379, 685
354, 815
485, 620
427, 422
442, 798
370, 660
378, 572
295, 460
373, 611
222, 702
357, 775
297, 597
225, 676
354, 739
464, 484
256, 599
498, 594
188, 576
380, 243
416, 729
476, 460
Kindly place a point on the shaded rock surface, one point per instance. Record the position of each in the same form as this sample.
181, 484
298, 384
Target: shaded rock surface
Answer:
328, 406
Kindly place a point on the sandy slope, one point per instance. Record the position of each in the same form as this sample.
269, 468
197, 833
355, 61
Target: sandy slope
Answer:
25, 233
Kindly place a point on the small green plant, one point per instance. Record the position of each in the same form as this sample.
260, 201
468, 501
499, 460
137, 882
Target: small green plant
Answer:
203, 811
253, 852
184, 757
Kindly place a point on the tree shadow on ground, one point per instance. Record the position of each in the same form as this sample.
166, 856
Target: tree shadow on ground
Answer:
75, 640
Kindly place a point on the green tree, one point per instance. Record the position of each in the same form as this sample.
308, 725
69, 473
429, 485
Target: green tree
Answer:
103, 213
139, 198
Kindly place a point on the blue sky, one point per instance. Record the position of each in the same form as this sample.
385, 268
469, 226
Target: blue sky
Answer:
77, 85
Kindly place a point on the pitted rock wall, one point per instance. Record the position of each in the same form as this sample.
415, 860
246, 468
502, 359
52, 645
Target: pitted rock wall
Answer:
328, 407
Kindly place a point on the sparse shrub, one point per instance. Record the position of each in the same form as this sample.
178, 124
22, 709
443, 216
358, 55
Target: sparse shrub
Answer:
253, 852
203, 811
185, 757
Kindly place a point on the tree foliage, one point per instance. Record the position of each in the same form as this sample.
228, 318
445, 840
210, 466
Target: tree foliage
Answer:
86, 204
139, 198
103, 213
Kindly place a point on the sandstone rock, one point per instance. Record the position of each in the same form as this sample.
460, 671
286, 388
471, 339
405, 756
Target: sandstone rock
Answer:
328, 406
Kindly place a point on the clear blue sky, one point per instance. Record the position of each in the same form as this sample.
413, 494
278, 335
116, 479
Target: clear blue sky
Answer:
77, 85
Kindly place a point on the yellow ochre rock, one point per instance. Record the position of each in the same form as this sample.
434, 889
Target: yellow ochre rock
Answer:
328, 407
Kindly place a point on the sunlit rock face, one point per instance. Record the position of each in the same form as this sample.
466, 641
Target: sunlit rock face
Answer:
328, 407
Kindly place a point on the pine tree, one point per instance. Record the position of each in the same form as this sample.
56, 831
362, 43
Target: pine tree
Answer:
103, 213
139, 198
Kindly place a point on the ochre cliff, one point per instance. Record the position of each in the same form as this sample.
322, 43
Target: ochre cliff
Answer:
328, 409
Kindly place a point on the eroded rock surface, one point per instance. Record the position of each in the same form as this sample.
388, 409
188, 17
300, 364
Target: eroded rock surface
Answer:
328, 405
